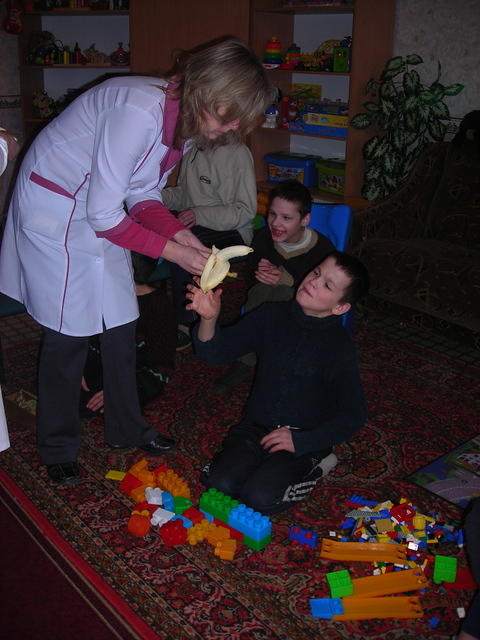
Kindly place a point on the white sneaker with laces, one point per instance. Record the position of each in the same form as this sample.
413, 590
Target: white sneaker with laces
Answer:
328, 464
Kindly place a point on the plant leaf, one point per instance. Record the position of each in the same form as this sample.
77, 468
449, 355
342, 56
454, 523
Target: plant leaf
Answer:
371, 86
411, 82
361, 121
428, 96
454, 89
399, 139
438, 90
371, 146
437, 130
371, 190
396, 63
440, 110
371, 106
414, 58
411, 104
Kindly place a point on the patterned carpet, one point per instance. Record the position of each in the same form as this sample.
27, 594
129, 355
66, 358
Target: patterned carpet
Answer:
421, 404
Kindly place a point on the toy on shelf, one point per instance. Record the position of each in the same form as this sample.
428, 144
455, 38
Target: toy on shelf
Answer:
272, 57
292, 57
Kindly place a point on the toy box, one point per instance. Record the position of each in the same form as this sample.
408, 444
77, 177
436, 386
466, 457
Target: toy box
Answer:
331, 176
323, 119
291, 166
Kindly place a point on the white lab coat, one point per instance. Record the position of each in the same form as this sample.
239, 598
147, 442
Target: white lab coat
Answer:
100, 153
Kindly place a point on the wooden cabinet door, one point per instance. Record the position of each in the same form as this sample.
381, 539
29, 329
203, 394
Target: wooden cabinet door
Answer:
157, 28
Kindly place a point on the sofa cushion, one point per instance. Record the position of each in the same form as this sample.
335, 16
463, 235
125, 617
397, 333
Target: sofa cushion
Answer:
430, 276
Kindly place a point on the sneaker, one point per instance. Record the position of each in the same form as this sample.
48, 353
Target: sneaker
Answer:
301, 490
183, 340
237, 374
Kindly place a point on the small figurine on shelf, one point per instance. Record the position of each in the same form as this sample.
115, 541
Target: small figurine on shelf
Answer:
271, 117
273, 54
292, 58
93, 56
120, 57
341, 55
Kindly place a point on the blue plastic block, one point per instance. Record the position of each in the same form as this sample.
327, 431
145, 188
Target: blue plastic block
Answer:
249, 522
303, 537
167, 499
326, 607
186, 522
208, 516
361, 501
434, 622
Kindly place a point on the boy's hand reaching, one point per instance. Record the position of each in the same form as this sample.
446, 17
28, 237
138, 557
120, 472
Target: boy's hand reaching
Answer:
207, 305
278, 440
267, 273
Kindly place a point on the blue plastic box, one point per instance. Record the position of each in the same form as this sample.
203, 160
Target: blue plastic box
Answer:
291, 166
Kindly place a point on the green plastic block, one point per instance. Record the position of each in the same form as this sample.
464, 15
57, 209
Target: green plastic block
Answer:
340, 583
181, 504
444, 569
257, 545
217, 504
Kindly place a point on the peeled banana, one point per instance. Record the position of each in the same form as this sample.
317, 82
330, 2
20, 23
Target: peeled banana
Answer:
217, 266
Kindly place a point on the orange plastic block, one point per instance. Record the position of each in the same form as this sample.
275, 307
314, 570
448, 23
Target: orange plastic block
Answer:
171, 482
147, 477
391, 607
362, 551
216, 534
138, 494
225, 549
138, 467
198, 532
396, 582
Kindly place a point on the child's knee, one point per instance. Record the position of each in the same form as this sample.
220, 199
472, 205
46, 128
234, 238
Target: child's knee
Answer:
261, 499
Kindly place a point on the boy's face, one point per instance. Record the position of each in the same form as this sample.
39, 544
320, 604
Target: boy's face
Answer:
320, 292
285, 222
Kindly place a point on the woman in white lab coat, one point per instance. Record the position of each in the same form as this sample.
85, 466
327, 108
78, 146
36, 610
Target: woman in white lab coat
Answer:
89, 190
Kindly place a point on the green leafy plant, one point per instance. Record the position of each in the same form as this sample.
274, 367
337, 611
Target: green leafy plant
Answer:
408, 115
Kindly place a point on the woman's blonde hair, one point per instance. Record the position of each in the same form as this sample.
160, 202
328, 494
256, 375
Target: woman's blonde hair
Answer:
223, 76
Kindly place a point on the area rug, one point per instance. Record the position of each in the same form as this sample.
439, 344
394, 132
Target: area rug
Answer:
421, 405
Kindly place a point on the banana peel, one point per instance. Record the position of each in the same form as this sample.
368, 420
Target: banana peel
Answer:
217, 266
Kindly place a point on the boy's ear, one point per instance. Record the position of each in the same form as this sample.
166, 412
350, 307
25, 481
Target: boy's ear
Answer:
341, 308
306, 220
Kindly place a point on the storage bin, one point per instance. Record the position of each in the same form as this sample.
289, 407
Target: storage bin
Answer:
291, 166
331, 176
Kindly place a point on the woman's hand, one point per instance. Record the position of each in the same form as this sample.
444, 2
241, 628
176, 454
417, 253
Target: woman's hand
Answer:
187, 257
96, 402
207, 305
188, 239
278, 440
268, 273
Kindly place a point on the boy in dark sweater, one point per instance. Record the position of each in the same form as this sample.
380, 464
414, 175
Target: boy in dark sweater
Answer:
284, 251
307, 395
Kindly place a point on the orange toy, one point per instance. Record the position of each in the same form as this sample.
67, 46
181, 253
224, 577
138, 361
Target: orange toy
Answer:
139, 523
367, 608
225, 549
171, 482
395, 582
364, 552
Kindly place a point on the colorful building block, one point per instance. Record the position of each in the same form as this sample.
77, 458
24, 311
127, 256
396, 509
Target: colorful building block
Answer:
225, 549
217, 504
340, 583
257, 545
173, 533
249, 522
444, 569
161, 516
326, 607
303, 537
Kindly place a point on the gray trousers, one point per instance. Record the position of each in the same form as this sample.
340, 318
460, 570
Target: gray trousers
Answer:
61, 365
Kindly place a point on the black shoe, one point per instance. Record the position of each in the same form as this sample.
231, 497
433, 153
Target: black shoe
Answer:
238, 374
66, 473
183, 340
158, 446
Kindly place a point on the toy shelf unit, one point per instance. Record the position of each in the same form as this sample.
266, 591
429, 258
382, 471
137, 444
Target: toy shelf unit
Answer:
63, 51
320, 129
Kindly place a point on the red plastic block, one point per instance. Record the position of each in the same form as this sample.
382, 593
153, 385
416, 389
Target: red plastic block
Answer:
173, 533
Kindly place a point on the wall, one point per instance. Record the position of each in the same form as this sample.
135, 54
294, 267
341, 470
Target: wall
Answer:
435, 29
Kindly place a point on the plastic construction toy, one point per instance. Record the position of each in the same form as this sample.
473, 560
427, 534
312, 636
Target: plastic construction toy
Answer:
444, 569
387, 583
326, 607
367, 552
392, 607
340, 583
303, 537
163, 501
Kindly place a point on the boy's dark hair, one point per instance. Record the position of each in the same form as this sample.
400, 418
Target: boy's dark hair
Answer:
358, 274
293, 191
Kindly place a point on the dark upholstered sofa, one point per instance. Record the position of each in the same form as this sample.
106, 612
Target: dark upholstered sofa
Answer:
422, 245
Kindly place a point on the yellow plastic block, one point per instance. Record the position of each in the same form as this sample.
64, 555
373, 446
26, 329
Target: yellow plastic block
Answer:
362, 551
115, 475
390, 607
198, 532
394, 582
383, 524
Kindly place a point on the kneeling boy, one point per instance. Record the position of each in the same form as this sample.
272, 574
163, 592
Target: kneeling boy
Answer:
307, 395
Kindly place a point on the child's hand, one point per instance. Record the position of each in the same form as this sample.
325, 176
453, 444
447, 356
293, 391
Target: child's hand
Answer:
207, 305
268, 273
278, 440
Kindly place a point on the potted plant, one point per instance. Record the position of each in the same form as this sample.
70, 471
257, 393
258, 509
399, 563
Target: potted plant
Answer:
408, 114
